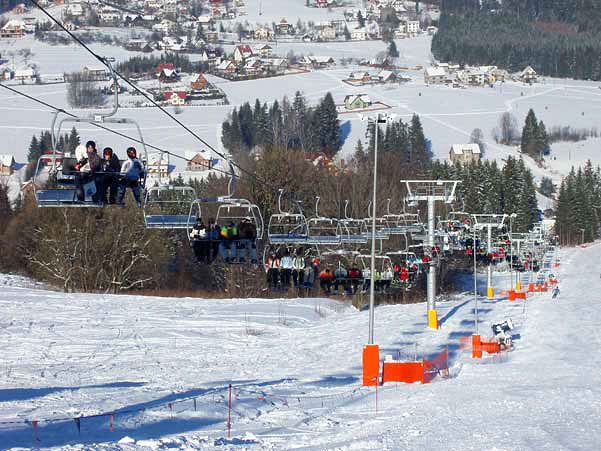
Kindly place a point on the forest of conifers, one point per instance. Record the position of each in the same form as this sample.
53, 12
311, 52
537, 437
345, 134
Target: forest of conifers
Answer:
560, 38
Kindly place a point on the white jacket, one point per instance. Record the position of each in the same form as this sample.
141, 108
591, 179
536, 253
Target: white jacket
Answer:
287, 262
298, 263
81, 152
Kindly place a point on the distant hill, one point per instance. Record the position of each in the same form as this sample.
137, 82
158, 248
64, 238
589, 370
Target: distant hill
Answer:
558, 38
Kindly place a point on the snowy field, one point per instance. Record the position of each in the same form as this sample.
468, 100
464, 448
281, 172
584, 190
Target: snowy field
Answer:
448, 115
295, 368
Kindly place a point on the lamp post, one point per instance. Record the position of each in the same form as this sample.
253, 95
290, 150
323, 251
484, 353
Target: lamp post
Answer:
371, 352
379, 118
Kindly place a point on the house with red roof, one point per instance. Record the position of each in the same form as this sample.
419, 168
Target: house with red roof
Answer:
176, 98
243, 52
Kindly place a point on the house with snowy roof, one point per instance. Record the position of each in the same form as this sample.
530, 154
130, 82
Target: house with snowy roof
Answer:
243, 52
176, 98
465, 153
357, 102
7, 164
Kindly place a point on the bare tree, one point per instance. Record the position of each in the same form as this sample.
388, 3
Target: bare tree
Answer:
477, 137
508, 129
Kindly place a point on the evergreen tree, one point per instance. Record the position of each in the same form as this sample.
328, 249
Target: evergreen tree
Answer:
330, 126
542, 140
530, 134
392, 50
360, 20
34, 150
418, 140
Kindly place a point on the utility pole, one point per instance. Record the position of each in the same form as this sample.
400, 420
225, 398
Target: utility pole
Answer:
431, 191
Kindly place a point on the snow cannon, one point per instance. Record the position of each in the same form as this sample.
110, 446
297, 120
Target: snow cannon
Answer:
500, 331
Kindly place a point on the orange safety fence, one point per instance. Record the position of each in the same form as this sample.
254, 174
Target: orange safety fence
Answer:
423, 371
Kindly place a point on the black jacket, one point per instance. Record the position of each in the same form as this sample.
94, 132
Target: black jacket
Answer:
111, 165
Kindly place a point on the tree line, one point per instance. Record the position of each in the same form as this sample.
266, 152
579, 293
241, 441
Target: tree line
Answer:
486, 188
290, 125
559, 39
578, 218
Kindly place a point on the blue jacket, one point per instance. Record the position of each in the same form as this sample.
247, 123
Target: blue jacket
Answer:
132, 169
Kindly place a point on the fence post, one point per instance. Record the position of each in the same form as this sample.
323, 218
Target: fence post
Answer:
110, 423
229, 416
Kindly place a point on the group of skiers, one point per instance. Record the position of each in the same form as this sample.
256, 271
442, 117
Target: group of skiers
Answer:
234, 243
304, 271
98, 176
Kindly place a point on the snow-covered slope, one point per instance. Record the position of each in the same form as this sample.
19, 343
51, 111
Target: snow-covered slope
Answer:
295, 368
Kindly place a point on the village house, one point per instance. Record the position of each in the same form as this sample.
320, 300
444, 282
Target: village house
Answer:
95, 72
263, 34
465, 153
199, 84
175, 98
387, 76
327, 33
168, 76
227, 67
275, 64
110, 15
243, 52
212, 36
284, 27
265, 51
322, 3
253, 66
357, 102
528, 75
7, 164
13, 29
74, 10
360, 77
359, 34
25, 75
198, 163
320, 62
158, 165
435, 75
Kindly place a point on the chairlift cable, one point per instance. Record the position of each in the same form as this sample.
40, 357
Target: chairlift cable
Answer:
126, 80
122, 135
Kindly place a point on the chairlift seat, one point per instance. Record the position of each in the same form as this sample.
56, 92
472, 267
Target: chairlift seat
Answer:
167, 221
291, 238
62, 198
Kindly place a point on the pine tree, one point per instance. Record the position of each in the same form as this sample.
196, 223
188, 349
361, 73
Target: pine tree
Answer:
73, 141
530, 134
330, 126
34, 150
542, 140
418, 140
392, 50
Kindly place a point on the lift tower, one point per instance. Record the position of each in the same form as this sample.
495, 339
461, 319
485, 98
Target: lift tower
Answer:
431, 191
489, 221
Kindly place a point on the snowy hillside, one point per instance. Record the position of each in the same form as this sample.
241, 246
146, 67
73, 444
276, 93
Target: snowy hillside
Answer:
163, 366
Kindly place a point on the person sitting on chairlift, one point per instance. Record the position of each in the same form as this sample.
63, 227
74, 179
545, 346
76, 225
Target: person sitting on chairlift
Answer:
247, 241
272, 267
298, 269
131, 173
198, 235
87, 168
111, 167
325, 281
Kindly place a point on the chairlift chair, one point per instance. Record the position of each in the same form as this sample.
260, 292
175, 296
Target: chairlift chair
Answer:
287, 227
322, 230
381, 226
354, 231
62, 170
167, 207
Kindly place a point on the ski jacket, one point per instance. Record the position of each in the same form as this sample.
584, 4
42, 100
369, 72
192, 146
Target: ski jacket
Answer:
132, 169
298, 263
387, 275
366, 273
273, 263
199, 232
325, 274
340, 273
287, 262
353, 273
111, 165
247, 231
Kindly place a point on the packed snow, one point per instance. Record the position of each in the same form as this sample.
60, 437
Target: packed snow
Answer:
295, 368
